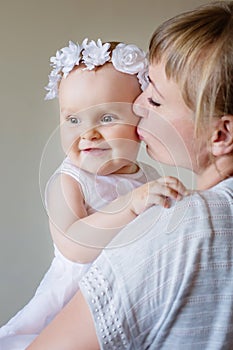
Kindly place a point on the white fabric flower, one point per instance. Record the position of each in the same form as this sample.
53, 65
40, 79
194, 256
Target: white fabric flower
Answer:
128, 58
63, 62
70, 57
56, 61
52, 86
95, 53
143, 76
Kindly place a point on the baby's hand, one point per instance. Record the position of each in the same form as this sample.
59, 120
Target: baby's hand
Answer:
157, 192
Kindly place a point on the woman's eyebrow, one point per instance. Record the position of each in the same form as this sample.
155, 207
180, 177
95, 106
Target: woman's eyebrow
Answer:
154, 86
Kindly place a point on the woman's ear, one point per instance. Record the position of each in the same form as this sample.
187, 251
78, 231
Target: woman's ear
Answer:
222, 137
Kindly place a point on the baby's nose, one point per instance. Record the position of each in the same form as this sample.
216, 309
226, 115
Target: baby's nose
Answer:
91, 134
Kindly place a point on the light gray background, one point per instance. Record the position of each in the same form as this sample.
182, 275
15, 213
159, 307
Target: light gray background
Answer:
30, 32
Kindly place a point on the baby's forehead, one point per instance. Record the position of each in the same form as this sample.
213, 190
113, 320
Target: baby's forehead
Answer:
86, 88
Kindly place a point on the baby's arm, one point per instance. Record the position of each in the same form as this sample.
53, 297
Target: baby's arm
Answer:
65, 205
81, 237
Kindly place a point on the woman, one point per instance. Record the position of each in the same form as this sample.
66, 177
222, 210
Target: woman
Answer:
172, 287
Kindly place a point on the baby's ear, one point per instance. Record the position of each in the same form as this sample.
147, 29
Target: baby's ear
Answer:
222, 137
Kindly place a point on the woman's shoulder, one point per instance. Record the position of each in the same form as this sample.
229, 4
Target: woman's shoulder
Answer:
202, 208
198, 212
216, 197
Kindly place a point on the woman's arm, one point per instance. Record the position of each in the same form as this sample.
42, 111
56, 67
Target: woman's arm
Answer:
72, 329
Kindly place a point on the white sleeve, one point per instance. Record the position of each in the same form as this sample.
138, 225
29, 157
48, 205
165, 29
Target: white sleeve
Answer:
56, 288
16, 342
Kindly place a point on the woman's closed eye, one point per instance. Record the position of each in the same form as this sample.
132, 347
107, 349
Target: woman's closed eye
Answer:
153, 102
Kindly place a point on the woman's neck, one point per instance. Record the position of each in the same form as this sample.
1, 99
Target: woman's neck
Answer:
216, 172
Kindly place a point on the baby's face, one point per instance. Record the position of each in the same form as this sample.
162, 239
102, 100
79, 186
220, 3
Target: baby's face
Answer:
98, 125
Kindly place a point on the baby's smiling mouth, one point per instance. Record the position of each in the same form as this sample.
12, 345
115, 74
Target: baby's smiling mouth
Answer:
95, 151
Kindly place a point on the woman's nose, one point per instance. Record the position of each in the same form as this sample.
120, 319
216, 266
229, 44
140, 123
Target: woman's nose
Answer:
139, 106
91, 134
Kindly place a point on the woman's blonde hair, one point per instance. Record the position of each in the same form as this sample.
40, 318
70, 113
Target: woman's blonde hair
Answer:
197, 49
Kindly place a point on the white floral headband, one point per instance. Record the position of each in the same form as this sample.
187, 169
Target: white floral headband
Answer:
125, 58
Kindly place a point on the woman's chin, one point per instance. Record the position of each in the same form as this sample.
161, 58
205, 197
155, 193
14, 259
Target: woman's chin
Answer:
158, 157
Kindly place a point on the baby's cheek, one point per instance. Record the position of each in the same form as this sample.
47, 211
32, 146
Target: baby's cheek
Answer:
68, 140
130, 132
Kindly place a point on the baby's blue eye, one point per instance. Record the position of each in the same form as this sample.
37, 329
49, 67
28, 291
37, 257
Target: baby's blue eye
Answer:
74, 120
107, 119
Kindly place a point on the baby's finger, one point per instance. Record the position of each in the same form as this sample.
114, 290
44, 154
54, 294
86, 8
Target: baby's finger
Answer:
158, 199
171, 192
164, 189
174, 183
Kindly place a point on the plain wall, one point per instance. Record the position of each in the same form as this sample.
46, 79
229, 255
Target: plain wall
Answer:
30, 32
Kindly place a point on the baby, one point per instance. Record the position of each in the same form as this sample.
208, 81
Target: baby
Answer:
90, 196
